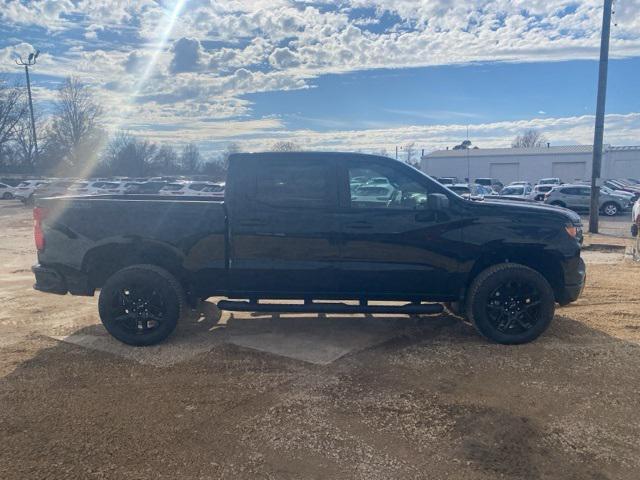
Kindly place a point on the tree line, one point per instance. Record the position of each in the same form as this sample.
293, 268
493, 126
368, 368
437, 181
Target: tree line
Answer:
72, 141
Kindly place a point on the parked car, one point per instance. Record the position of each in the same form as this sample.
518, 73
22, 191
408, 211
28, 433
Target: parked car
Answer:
538, 192
473, 190
369, 195
7, 192
515, 184
622, 186
146, 188
12, 182
516, 192
550, 181
24, 190
289, 228
578, 197
493, 183
448, 180
55, 188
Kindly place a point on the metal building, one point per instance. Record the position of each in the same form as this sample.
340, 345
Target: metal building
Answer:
568, 163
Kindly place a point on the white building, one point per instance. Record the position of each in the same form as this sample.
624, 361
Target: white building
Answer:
568, 163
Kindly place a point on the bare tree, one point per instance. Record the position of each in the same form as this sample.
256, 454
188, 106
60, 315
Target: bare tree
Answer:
130, 156
285, 147
465, 145
75, 131
190, 158
529, 139
166, 160
25, 145
12, 109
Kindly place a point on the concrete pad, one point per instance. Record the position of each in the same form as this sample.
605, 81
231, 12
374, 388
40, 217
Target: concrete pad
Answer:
314, 340
177, 349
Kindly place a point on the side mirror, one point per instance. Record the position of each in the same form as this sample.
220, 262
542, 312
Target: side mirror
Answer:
437, 201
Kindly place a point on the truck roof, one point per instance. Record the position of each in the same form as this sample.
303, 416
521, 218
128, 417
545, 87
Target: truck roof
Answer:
234, 157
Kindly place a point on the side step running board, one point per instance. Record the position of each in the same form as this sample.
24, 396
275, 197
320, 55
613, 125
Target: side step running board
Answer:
313, 307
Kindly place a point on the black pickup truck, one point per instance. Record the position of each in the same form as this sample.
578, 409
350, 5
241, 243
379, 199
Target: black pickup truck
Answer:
327, 232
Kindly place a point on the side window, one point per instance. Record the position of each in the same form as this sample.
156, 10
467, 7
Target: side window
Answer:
293, 184
382, 186
584, 191
570, 191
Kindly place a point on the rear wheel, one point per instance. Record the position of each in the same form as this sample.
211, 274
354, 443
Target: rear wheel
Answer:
610, 209
141, 305
510, 303
7, 196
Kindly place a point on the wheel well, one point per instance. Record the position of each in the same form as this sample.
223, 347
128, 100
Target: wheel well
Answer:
102, 262
544, 263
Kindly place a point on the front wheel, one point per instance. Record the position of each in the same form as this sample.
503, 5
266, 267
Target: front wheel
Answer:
510, 303
7, 196
610, 209
141, 305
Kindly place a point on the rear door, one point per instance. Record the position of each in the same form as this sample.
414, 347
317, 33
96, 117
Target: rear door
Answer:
283, 233
393, 245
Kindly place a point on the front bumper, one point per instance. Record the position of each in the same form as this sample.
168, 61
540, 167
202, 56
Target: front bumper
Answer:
575, 278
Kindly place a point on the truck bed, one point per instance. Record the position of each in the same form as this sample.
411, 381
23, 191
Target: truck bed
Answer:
188, 232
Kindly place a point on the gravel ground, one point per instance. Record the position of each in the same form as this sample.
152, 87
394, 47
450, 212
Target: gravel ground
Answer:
433, 400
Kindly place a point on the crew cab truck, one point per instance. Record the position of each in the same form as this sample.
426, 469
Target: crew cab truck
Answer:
291, 227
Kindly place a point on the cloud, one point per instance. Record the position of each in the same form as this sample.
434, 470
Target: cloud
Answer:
187, 55
218, 51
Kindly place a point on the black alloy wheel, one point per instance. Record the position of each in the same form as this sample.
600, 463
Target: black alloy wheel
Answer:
141, 305
510, 303
513, 307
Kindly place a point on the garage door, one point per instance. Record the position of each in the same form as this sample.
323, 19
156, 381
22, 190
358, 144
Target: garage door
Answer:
625, 169
505, 172
569, 171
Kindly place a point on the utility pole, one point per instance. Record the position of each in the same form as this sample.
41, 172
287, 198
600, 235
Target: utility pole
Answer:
599, 127
33, 57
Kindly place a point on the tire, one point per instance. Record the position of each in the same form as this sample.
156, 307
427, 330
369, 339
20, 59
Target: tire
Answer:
141, 305
634, 230
7, 196
524, 314
610, 209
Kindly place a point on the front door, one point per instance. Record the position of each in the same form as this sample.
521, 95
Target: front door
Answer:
283, 232
393, 245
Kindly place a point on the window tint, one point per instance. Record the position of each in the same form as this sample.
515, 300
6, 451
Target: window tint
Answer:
295, 183
382, 186
570, 191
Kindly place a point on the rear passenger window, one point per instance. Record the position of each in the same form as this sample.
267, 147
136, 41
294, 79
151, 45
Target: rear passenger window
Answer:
301, 183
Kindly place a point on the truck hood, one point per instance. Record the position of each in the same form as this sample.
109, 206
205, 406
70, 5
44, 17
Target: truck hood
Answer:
516, 207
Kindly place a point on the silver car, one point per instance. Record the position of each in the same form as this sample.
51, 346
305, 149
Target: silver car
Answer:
578, 197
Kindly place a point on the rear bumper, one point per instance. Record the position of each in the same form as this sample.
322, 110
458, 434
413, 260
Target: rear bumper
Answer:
49, 280
575, 276
60, 281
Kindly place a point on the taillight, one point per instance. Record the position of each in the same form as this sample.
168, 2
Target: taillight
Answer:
38, 234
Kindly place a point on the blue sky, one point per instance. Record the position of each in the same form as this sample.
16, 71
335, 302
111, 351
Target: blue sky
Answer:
351, 74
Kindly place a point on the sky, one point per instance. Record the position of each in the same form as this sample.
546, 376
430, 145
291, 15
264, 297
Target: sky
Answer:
366, 75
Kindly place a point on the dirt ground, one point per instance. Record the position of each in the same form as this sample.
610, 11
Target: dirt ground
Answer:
336, 397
